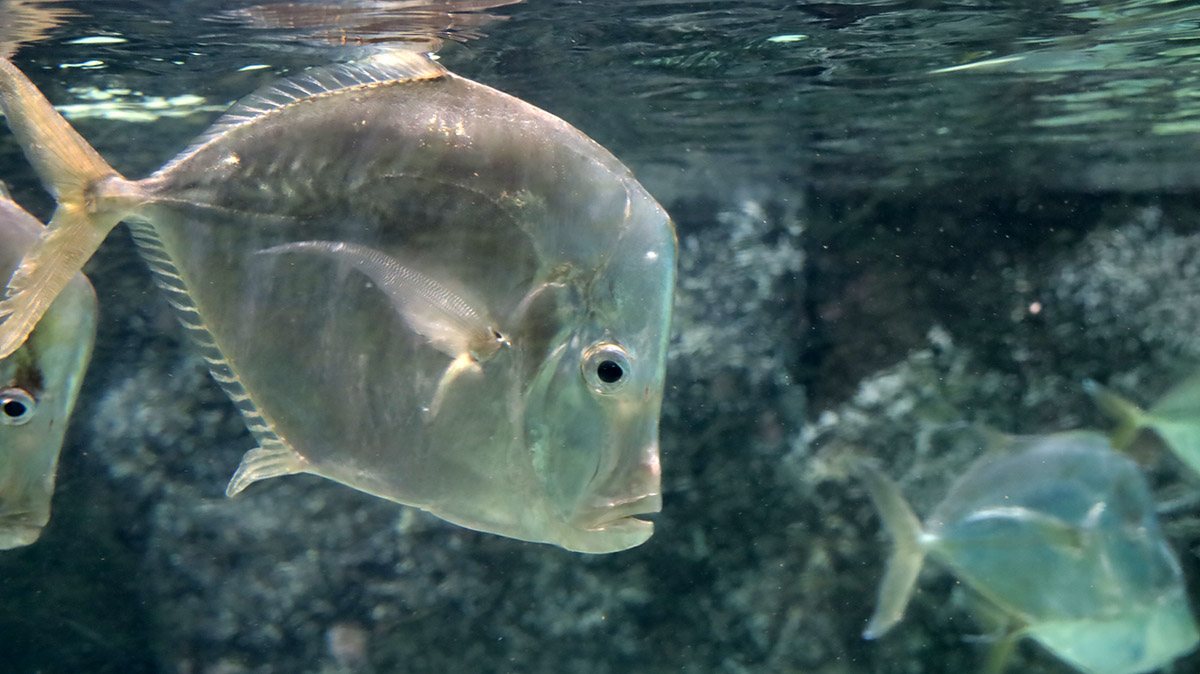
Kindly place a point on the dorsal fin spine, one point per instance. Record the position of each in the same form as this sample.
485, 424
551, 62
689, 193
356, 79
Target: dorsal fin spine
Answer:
383, 69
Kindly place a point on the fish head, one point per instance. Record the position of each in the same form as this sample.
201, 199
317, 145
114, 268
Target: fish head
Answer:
28, 452
595, 389
38, 385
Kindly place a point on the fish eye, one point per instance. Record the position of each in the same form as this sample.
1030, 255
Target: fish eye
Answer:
605, 367
16, 406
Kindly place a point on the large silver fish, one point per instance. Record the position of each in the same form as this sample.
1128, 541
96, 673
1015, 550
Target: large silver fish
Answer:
408, 282
38, 385
1057, 533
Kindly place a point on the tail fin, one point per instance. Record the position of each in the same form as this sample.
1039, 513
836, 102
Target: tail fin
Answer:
907, 554
1176, 419
1129, 417
81, 181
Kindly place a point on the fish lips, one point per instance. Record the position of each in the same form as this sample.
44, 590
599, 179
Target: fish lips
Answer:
610, 514
18, 530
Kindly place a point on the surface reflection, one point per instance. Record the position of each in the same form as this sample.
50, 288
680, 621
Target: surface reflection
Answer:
416, 24
27, 21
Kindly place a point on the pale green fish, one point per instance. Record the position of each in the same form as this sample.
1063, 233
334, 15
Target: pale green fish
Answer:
409, 283
1058, 533
1175, 418
38, 385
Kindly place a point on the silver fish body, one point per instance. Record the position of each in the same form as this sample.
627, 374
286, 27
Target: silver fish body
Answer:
39, 383
271, 233
1059, 533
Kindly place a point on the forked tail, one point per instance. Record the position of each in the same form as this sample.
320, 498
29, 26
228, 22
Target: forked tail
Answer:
907, 553
92, 199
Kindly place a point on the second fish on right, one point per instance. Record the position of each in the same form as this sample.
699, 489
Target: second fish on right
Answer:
1058, 534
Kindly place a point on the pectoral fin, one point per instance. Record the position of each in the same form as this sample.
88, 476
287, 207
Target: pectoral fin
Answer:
451, 324
459, 366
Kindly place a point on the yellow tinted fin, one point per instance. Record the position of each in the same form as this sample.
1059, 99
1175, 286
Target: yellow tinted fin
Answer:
90, 197
1129, 417
450, 323
907, 553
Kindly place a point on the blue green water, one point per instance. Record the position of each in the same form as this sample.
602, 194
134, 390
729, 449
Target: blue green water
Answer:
894, 217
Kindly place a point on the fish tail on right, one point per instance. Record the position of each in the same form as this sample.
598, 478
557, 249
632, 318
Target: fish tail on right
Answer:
1130, 418
1001, 651
907, 552
91, 199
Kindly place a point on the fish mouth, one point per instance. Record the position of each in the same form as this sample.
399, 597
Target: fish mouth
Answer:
615, 513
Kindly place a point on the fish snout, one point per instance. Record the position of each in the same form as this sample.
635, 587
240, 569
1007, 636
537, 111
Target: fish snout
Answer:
20, 529
632, 489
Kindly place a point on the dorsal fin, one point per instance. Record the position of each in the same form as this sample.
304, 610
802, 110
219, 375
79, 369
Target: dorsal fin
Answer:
383, 68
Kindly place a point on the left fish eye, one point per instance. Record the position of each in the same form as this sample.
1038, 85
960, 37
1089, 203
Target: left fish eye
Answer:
16, 406
605, 367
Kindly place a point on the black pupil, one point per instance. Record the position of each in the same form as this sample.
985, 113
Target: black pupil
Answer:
14, 409
609, 372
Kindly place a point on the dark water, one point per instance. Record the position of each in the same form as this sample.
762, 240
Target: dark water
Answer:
894, 217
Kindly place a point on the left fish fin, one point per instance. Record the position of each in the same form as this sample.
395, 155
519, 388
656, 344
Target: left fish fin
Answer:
92, 199
449, 322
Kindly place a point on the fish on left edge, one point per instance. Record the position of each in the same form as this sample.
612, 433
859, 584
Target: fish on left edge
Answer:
38, 386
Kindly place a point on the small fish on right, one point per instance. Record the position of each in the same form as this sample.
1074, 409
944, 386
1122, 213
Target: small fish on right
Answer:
1175, 418
1058, 533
